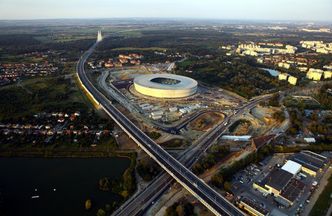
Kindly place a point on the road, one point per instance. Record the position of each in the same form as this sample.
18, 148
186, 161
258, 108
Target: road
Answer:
322, 184
203, 192
139, 203
119, 97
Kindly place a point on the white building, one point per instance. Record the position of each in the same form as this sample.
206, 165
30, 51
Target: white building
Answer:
283, 76
302, 69
327, 74
284, 65
292, 167
157, 113
292, 80
315, 74
236, 138
173, 109
165, 85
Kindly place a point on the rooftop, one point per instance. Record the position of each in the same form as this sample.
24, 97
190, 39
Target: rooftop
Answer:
255, 206
165, 81
278, 179
291, 167
309, 160
292, 190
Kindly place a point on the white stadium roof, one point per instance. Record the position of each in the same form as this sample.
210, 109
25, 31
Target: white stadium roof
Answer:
292, 167
182, 81
165, 85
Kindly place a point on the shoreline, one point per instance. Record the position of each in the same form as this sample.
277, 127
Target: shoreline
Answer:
38, 153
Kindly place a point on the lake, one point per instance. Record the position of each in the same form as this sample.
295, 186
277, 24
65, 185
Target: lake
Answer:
75, 180
271, 72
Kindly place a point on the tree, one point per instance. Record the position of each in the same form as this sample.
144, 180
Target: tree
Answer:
101, 212
274, 100
217, 180
104, 184
88, 204
228, 186
108, 207
180, 210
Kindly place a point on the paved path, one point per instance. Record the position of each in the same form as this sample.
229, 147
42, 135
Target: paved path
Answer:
329, 212
322, 185
19, 83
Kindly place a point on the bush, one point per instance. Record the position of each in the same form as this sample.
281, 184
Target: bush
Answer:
104, 184
88, 204
101, 212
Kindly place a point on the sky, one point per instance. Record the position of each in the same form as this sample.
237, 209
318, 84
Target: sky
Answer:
308, 10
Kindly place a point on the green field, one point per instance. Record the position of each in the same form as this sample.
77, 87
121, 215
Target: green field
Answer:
160, 49
41, 95
324, 201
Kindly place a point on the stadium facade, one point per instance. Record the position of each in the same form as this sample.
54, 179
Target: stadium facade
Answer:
165, 85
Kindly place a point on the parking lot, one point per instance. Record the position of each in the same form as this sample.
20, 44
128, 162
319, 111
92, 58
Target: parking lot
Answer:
243, 186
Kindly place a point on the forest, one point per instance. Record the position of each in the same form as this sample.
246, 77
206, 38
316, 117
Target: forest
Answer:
232, 74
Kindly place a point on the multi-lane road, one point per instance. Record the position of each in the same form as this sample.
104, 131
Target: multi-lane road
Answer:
203, 192
139, 203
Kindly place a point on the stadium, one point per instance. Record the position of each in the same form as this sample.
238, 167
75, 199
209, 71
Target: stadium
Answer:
165, 85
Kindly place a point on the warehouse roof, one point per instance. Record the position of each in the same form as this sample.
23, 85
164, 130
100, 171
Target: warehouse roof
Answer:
278, 179
293, 190
292, 167
255, 206
309, 160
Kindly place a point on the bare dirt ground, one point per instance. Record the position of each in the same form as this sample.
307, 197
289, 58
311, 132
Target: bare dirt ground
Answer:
243, 128
265, 114
129, 73
206, 121
124, 142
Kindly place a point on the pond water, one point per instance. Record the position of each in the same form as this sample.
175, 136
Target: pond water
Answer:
271, 72
62, 185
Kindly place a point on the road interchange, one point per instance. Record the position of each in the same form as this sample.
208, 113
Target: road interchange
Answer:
202, 191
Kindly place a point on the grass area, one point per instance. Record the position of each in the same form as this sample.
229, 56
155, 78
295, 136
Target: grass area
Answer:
160, 49
41, 95
153, 135
129, 33
63, 38
174, 143
306, 103
6, 58
324, 201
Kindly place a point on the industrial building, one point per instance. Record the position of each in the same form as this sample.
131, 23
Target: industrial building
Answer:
284, 183
277, 180
244, 138
310, 162
291, 192
165, 85
252, 207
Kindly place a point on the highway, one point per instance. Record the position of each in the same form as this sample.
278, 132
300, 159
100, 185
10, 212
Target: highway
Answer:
203, 192
139, 203
124, 101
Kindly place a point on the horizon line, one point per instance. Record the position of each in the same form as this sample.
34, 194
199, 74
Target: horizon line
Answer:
167, 18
